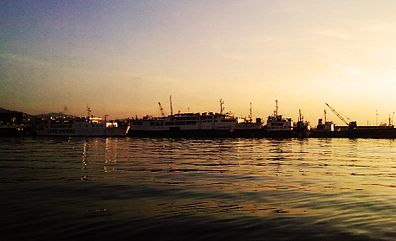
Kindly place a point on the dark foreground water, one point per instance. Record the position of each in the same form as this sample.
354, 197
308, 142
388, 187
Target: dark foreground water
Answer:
197, 189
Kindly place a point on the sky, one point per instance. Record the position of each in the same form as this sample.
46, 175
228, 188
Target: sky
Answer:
123, 57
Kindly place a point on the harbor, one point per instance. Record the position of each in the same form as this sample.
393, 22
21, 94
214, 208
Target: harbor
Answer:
208, 124
197, 120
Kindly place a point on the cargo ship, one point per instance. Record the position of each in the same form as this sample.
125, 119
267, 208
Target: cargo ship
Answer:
327, 129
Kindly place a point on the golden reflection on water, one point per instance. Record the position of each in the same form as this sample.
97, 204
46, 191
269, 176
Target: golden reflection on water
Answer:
256, 176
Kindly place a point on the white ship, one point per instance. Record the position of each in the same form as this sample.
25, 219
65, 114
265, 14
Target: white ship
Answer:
190, 123
185, 122
78, 126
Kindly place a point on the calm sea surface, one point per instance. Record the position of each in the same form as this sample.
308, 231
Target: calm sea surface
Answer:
197, 189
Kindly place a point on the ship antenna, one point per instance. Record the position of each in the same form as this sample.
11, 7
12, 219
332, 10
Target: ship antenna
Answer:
276, 107
325, 115
171, 106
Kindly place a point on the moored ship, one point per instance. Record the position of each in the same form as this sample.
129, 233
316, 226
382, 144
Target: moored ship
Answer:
278, 126
78, 126
192, 124
184, 124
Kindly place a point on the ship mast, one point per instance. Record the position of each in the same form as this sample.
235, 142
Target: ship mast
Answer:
300, 117
389, 120
221, 106
171, 106
250, 113
88, 112
276, 107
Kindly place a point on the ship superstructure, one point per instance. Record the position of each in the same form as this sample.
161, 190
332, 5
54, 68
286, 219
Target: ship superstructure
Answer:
277, 123
185, 122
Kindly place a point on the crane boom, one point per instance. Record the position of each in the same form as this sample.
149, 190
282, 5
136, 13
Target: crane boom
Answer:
161, 109
337, 114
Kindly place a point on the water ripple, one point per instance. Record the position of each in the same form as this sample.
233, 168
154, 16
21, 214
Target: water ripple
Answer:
200, 189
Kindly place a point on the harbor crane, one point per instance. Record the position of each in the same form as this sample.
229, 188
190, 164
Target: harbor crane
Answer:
161, 109
351, 124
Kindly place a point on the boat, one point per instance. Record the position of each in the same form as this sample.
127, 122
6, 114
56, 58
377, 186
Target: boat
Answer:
78, 126
184, 124
247, 124
278, 126
192, 124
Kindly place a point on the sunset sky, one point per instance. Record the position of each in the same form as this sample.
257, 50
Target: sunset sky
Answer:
122, 57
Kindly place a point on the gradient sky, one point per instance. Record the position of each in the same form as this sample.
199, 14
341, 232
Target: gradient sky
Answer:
122, 57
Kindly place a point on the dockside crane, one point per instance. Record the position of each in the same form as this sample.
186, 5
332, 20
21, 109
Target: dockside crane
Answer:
351, 124
161, 109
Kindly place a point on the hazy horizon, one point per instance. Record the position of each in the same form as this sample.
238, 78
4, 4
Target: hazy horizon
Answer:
123, 57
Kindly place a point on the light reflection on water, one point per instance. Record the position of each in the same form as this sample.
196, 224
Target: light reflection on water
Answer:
209, 188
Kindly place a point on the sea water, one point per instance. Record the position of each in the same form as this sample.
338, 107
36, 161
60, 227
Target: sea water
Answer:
197, 189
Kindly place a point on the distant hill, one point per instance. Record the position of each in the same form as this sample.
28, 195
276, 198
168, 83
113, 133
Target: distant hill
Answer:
5, 111
54, 114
